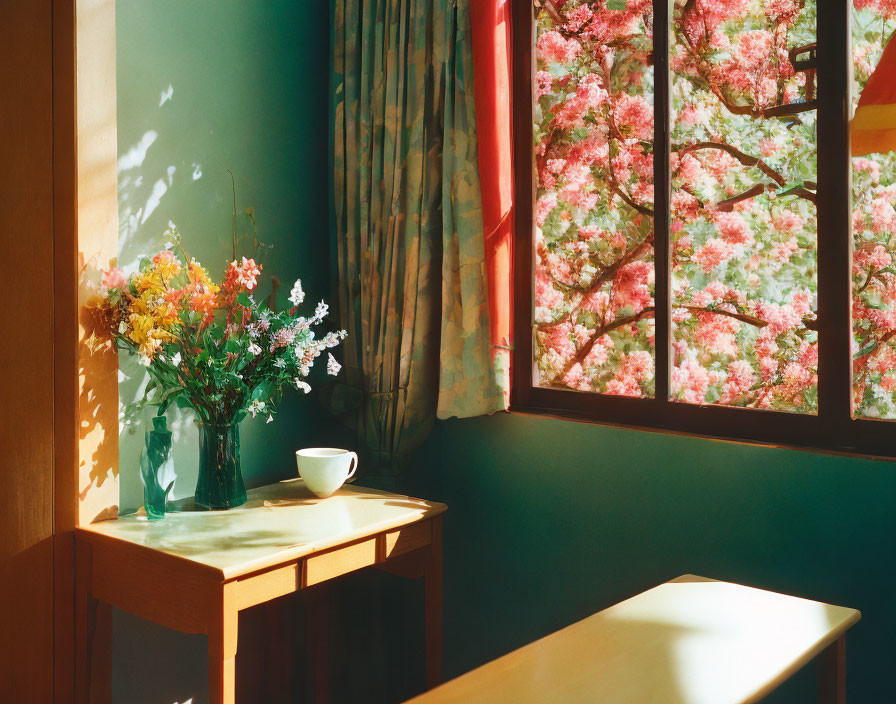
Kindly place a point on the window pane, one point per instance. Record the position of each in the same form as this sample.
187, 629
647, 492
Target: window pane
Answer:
743, 216
873, 223
593, 249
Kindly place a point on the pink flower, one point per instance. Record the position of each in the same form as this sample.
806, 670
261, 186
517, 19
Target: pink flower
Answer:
733, 228
559, 338
632, 285
789, 221
690, 381
553, 48
544, 206
783, 251
713, 253
634, 116
114, 278
741, 379
543, 83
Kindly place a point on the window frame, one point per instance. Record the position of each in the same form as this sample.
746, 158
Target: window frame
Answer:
833, 429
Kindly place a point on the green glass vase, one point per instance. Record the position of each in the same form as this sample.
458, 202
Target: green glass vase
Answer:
220, 483
156, 469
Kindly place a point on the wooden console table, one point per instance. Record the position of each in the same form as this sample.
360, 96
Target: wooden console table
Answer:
194, 571
689, 641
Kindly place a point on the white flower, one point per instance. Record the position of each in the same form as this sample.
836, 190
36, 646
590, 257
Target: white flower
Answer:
333, 366
321, 311
176, 359
256, 407
270, 418
254, 349
145, 361
280, 363
122, 327
297, 295
302, 385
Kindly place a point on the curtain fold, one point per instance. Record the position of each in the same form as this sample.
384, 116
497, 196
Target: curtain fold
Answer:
408, 223
492, 59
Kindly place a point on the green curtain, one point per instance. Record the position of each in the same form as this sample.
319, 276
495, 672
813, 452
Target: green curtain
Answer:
408, 222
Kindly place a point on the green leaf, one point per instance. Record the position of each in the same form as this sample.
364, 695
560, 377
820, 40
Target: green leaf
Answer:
244, 300
616, 5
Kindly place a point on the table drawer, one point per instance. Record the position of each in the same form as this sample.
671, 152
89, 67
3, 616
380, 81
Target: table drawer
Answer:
406, 539
327, 565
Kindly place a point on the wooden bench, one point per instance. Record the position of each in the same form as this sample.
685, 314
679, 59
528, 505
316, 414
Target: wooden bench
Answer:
689, 641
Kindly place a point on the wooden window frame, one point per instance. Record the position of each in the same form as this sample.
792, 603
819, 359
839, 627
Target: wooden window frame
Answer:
833, 429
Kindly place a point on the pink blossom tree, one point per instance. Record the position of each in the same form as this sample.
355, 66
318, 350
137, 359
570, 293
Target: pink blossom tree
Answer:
743, 216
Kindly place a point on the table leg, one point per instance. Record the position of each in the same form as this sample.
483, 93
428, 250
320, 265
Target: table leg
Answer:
432, 580
222, 642
85, 617
318, 644
832, 673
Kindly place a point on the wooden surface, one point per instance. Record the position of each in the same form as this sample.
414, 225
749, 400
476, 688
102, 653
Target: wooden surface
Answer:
26, 358
279, 523
688, 641
194, 571
65, 349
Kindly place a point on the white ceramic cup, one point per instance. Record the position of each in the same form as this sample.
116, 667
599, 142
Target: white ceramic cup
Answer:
325, 469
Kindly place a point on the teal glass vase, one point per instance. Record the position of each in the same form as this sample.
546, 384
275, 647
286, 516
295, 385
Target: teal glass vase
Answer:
220, 482
156, 469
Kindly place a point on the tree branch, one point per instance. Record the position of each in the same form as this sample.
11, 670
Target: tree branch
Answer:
750, 161
602, 278
583, 351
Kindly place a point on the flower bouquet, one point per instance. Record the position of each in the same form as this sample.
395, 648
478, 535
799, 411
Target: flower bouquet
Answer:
212, 348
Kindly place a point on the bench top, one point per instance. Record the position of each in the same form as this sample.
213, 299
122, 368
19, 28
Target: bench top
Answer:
689, 641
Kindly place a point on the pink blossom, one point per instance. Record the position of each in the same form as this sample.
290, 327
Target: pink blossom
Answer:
740, 380
783, 251
553, 48
690, 381
546, 294
632, 285
544, 206
733, 228
789, 221
543, 83
634, 116
713, 253
114, 278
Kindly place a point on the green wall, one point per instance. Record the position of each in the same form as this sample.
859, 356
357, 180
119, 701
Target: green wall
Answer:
204, 87
550, 521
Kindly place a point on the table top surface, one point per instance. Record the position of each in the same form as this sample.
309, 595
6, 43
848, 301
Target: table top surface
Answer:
280, 522
688, 641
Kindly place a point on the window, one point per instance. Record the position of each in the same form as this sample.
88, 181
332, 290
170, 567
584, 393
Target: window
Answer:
688, 263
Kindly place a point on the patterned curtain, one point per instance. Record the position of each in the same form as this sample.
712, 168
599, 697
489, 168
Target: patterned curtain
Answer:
408, 223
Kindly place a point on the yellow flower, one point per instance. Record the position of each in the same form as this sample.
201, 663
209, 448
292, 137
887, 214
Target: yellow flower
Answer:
141, 328
166, 265
199, 279
150, 281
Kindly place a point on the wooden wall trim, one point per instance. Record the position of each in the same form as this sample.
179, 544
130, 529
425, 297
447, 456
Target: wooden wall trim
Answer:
85, 239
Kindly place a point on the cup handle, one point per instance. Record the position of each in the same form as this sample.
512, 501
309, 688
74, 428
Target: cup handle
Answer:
354, 466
